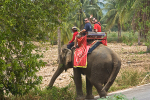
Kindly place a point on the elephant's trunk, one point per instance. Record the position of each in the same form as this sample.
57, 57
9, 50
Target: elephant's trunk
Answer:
56, 74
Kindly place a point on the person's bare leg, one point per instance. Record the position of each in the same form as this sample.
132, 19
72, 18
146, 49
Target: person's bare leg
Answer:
75, 42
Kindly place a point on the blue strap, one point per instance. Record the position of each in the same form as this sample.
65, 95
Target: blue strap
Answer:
95, 45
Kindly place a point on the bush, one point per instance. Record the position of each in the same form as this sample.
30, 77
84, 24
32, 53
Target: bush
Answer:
18, 67
116, 97
17, 63
54, 93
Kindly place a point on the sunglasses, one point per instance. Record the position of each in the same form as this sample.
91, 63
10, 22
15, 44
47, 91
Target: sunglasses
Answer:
85, 20
93, 20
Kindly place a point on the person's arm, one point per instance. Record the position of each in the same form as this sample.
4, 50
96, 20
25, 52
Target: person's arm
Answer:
75, 42
82, 31
91, 19
73, 38
95, 30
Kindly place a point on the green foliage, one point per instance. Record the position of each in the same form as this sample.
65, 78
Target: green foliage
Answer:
76, 17
18, 66
112, 16
127, 37
128, 15
128, 77
62, 12
22, 21
116, 97
54, 93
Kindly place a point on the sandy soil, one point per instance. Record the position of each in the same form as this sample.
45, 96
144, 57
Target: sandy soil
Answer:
130, 56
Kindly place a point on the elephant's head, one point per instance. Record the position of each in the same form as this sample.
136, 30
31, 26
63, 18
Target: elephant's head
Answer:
65, 63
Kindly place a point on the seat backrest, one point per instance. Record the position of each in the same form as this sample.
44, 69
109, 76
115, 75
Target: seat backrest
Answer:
96, 33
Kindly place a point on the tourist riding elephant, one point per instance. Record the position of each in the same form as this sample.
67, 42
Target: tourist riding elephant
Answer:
103, 65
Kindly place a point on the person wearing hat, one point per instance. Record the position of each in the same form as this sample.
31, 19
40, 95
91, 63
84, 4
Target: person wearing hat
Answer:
71, 43
85, 30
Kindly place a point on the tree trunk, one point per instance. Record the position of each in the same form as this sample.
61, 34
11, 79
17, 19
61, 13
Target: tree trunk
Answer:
139, 38
59, 40
119, 32
1, 94
59, 43
134, 24
148, 48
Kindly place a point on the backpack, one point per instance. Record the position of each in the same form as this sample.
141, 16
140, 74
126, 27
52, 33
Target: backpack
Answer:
98, 23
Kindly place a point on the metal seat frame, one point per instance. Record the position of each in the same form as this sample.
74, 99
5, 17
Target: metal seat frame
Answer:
96, 36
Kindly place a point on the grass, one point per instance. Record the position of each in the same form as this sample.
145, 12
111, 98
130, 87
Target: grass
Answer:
128, 77
126, 37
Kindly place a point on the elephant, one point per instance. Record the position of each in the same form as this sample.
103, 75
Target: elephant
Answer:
103, 65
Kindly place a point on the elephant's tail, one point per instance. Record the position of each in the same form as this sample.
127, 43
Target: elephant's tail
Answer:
113, 73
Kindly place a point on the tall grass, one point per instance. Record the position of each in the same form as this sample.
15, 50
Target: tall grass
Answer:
126, 37
128, 77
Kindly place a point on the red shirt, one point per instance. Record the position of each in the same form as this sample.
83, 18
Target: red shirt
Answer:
98, 27
73, 38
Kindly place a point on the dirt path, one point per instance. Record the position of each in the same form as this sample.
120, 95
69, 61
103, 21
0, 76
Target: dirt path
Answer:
131, 56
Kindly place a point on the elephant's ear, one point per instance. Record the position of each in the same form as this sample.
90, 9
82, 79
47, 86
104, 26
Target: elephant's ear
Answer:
68, 56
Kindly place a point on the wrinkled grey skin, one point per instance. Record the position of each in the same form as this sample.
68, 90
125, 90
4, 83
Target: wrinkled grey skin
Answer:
102, 68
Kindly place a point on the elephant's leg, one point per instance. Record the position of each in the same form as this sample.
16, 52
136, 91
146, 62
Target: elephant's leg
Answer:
98, 86
78, 83
89, 89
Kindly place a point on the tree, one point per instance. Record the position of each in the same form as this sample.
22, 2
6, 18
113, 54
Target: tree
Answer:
76, 17
21, 22
87, 8
68, 6
139, 13
112, 16
135, 12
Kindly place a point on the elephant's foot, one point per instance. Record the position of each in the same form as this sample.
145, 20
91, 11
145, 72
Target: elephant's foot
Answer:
89, 97
80, 98
103, 94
